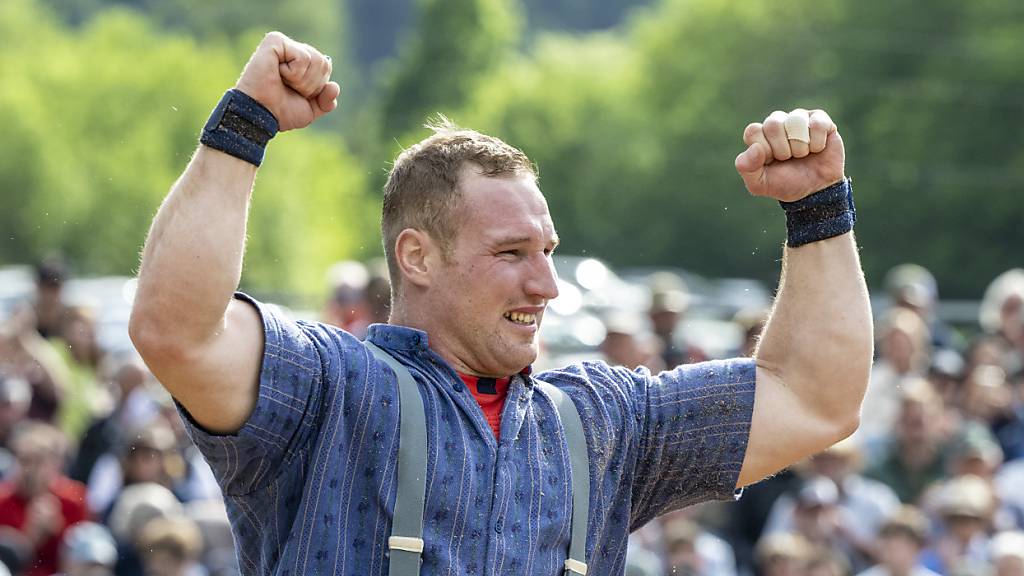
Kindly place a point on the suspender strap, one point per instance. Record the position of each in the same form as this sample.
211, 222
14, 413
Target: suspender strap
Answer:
579, 461
406, 541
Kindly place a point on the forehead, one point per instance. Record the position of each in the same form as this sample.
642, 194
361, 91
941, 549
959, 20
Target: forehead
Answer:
504, 206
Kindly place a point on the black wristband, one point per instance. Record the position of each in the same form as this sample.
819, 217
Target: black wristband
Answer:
824, 214
240, 126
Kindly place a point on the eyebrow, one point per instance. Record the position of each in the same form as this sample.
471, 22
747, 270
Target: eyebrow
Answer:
512, 240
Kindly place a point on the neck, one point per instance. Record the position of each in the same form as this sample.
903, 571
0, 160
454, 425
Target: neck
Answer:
410, 315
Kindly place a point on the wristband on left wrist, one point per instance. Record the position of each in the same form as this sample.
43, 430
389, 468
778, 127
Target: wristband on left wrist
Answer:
826, 213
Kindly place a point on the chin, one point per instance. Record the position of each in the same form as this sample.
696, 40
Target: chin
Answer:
523, 359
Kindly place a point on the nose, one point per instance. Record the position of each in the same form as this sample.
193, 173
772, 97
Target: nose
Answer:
543, 280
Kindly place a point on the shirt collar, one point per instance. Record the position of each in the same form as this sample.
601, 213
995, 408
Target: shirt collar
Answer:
397, 337
393, 337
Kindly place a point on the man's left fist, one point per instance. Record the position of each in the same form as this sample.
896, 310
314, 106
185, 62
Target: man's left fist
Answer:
792, 155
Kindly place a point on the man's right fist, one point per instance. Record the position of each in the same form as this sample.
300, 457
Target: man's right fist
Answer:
293, 80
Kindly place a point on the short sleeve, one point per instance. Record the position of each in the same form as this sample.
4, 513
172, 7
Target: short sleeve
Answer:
694, 435
291, 375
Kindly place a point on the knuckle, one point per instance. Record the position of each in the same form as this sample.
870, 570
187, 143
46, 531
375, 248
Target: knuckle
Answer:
773, 126
751, 131
819, 122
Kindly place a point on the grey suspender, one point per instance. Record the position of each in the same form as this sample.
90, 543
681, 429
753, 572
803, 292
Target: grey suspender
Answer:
578, 460
406, 541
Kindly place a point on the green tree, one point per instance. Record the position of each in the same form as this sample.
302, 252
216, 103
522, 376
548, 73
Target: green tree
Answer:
635, 131
455, 43
102, 119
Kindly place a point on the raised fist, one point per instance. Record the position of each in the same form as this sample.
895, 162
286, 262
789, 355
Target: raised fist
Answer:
792, 155
293, 80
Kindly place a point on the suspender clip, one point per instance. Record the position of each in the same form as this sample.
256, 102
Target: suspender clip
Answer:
409, 544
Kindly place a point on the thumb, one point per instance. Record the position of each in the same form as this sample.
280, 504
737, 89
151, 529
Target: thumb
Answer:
327, 99
751, 166
751, 160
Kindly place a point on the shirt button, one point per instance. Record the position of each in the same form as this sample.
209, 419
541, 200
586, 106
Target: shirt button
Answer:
498, 526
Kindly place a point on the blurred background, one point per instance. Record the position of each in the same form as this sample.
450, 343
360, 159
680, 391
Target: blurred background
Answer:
633, 111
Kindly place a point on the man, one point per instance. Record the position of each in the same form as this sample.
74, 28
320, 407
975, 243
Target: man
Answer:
40, 502
900, 542
299, 420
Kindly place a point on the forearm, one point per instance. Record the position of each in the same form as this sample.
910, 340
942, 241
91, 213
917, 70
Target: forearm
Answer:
192, 261
818, 340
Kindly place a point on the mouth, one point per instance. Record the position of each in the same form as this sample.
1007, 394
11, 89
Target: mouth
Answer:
521, 318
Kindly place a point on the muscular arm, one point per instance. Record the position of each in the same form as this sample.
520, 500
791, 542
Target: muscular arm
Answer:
202, 345
814, 358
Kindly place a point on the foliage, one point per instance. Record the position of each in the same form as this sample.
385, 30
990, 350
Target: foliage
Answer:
457, 41
636, 133
100, 122
634, 129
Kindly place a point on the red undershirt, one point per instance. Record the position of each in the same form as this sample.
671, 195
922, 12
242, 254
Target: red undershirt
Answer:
490, 394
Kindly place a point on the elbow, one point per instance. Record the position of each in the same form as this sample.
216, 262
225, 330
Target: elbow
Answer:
845, 416
152, 338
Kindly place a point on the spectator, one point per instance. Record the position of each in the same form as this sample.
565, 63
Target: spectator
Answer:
348, 307
783, 554
863, 504
81, 353
148, 455
134, 408
88, 549
990, 400
378, 292
691, 550
23, 353
946, 373
39, 501
904, 353
964, 505
218, 555
135, 507
828, 563
626, 344
975, 452
48, 307
15, 396
1002, 314
914, 457
752, 322
748, 517
900, 542
669, 301
912, 287
817, 517
170, 547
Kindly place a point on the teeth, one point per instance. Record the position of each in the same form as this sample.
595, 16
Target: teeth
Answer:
521, 318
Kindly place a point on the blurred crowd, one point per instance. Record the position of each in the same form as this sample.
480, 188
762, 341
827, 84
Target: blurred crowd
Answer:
98, 477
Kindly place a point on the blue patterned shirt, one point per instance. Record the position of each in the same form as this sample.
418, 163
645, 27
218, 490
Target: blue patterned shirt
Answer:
309, 480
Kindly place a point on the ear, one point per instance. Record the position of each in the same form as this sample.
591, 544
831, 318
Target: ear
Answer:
417, 256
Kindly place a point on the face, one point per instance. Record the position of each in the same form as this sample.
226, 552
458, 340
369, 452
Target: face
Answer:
38, 468
487, 299
898, 551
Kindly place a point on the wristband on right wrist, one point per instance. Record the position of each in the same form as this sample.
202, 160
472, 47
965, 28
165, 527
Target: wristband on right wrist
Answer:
240, 126
826, 213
